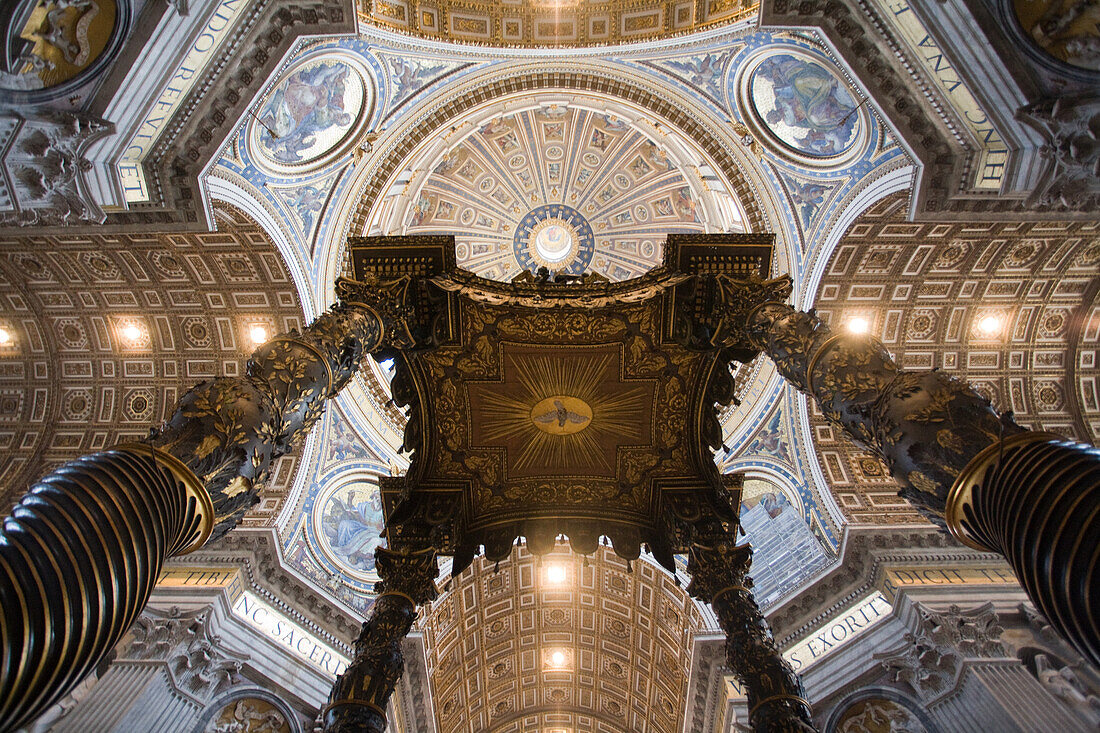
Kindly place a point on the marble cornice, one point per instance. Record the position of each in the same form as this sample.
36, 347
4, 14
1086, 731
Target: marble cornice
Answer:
255, 551
865, 551
213, 110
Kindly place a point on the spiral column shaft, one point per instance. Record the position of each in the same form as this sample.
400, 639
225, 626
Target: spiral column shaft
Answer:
719, 576
81, 552
1033, 497
359, 696
78, 558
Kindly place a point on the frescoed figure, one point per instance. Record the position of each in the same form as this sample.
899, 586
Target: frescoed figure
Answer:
805, 105
307, 201
685, 204
614, 124
658, 157
420, 211
449, 163
305, 111
494, 127
352, 522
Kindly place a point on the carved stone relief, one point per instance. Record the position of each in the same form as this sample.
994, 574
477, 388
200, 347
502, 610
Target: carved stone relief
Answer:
1071, 127
1069, 684
878, 715
197, 663
930, 659
249, 715
44, 162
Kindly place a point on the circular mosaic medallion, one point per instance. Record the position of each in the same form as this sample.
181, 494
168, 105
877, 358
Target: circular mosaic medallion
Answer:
55, 43
348, 522
1067, 31
554, 236
804, 106
311, 115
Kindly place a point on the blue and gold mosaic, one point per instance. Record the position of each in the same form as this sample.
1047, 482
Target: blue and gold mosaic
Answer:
554, 236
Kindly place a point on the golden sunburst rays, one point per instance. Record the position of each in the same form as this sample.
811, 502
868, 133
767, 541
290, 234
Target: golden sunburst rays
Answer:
562, 414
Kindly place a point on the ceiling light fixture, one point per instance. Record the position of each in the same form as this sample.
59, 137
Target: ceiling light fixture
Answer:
858, 325
258, 334
555, 574
132, 332
5, 337
557, 659
990, 325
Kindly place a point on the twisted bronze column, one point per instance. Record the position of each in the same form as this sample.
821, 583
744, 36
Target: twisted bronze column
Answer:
81, 551
359, 696
719, 576
1033, 497
78, 558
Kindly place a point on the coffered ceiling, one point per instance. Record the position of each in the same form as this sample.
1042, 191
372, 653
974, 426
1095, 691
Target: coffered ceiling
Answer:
563, 22
1010, 307
622, 632
107, 330
612, 190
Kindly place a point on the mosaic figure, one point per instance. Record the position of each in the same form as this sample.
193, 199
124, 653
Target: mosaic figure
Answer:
805, 105
352, 521
306, 110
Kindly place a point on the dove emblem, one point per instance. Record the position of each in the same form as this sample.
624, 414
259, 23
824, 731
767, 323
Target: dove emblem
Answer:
561, 415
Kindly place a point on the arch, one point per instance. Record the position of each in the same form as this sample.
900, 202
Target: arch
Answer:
215, 708
221, 188
877, 692
743, 174
587, 614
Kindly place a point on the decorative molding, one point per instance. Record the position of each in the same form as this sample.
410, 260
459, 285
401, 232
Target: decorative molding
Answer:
198, 665
1071, 179
534, 24
213, 112
864, 552
932, 656
913, 109
256, 551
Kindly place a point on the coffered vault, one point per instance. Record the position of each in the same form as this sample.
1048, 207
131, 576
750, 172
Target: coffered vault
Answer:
574, 136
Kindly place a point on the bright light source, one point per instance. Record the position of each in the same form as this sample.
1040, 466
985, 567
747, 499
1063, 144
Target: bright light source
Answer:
990, 325
858, 325
5, 337
557, 659
258, 334
555, 574
131, 332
